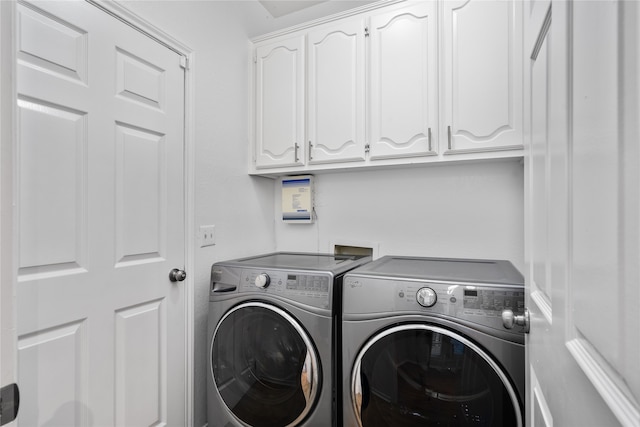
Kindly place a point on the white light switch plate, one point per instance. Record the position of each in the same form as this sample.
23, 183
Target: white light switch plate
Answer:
207, 235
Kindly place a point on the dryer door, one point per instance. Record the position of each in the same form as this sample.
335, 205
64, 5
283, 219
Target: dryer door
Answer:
264, 366
423, 375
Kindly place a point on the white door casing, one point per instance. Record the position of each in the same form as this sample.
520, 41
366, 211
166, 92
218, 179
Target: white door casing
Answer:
583, 213
101, 329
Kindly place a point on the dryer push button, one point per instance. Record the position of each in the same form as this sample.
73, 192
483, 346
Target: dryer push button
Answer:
426, 297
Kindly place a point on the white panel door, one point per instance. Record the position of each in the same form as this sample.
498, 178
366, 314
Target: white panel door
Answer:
336, 90
101, 328
280, 102
8, 371
539, 176
481, 75
583, 205
404, 79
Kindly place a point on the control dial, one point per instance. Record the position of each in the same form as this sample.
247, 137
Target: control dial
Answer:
426, 297
262, 280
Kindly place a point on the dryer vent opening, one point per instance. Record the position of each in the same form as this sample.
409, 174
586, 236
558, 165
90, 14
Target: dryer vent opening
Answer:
352, 250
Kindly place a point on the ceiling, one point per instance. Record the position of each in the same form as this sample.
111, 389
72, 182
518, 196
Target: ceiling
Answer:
279, 8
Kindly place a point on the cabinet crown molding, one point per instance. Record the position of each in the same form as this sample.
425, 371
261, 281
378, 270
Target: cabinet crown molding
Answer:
324, 20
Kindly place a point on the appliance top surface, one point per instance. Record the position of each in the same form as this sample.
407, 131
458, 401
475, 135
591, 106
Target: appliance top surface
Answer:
301, 261
498, 272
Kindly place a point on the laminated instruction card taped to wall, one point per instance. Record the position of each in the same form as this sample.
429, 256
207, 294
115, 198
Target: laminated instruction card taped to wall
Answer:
297, 199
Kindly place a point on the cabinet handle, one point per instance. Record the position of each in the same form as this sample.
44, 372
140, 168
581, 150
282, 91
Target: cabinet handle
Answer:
295, 151
310, 146
429, 139
449, 136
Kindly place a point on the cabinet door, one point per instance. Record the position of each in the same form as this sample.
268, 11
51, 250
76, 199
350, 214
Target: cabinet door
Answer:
404, 82
336, 82
279, 129
482, 75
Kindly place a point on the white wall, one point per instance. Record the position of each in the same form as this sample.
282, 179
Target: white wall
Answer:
456, 210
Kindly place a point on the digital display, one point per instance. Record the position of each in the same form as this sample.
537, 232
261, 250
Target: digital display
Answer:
307, 283
468, 293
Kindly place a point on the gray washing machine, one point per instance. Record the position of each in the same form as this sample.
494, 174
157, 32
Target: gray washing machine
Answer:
424, 343
273, 340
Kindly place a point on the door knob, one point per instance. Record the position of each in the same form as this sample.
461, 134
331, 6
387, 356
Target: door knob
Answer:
177, 275
509, 319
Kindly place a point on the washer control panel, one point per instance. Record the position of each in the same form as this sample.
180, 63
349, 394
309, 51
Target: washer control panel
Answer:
307, 287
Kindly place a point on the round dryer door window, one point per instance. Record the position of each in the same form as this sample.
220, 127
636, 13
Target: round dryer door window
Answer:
264, 365
422, 375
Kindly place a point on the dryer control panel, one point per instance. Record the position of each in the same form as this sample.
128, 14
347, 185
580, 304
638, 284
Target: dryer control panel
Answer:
481, 304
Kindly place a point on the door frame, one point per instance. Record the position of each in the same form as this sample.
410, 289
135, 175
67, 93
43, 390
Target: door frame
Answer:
8, 248
8, 191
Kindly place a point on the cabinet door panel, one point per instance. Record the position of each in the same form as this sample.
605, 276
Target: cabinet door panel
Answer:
280, 103
404, 82
482, 75
336, 93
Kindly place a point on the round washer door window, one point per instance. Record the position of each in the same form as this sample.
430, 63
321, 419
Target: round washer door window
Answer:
264, 365
422, 375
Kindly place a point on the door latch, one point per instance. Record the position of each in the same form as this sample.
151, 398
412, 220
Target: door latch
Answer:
9, 403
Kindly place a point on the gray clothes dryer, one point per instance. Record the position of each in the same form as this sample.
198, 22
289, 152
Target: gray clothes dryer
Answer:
273, 339
424, 344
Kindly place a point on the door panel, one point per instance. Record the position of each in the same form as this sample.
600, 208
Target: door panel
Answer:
53, 225
59, 359
138, 336
101, 221
604, 239
139, 202
583, 206
52, 45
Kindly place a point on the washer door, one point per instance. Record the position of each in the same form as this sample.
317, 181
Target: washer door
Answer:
422, 375
264, 365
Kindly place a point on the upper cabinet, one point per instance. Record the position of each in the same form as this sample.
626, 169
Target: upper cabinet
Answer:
280, 103
404, 82
481, 103
390, 84
336, 92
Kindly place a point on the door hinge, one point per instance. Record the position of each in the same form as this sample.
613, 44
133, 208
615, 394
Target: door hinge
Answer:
366, 31
9, 403
367, 148
184, 62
